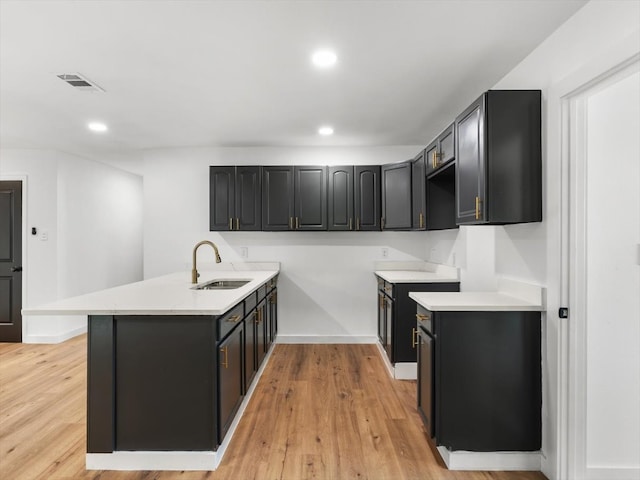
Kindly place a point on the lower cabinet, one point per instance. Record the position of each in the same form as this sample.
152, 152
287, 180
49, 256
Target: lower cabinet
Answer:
272, 316
396, 316
230, 378
479, 379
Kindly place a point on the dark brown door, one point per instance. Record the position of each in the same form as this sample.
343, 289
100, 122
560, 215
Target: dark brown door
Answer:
10, 261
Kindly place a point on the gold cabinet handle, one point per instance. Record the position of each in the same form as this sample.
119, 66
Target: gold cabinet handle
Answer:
381, 301
422, 317
382, 222
290, 223
225, 362
414, 336
421, 220
230, 223
238, 223
477, 208
350, 223
233, 319
297, 223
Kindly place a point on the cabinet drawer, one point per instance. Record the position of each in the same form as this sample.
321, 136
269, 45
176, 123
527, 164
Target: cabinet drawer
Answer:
250, 303
389, 289
272, 283
230, 319
424, 319
262, 292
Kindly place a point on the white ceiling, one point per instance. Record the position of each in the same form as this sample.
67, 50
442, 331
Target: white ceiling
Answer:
237, 73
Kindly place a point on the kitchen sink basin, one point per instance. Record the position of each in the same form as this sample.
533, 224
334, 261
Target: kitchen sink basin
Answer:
221, 285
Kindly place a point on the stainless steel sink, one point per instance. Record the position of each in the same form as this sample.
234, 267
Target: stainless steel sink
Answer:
221, 285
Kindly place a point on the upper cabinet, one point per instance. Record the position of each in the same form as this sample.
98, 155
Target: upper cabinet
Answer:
441, 151
498, 159
294, 198
418, 194
367, 201
234, 198
396, 196
354, 197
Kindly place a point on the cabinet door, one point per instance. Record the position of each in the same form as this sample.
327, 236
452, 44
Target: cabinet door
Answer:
446, 145
248, 199
470, 164
272, 314
396, 196
426, 380
382, 322
260, 323
250, 344
418, 181
340, 201
310, 198
230, 378
277, 198
367, 197
389, 326
221, 198
430, 156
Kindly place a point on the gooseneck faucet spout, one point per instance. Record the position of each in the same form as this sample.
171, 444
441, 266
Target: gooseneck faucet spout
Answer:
194, 270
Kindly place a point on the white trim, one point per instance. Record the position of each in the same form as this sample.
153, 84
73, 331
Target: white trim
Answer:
491, 461
401, 370
327, 339
22, 177
613, 473
615, 58
51, 339
175, 461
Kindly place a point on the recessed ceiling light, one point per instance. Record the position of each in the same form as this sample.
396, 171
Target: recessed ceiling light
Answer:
324, 58
97, 127
325, 131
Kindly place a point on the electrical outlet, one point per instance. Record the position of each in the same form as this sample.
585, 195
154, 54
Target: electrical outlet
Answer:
385, 252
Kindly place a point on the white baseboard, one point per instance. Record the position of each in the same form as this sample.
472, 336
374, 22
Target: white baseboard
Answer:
491, 461
613, 473
326, 339
174, 461
401, 370
55, 338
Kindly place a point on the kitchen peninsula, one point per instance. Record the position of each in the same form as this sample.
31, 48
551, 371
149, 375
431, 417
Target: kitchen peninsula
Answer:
171, 364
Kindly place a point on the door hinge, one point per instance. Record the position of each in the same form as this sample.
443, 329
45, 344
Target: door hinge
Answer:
563, 312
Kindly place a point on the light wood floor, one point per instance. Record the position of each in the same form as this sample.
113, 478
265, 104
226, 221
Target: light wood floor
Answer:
319, 411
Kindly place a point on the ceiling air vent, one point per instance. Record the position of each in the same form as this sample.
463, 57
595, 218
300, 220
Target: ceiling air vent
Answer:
79, 82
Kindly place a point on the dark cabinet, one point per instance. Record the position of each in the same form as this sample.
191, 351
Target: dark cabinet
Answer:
498, 157
340, 198
260, 328
418, 192
354, 198
441, 198
367, 201
396, 196
272, 317
396, 316
441, 151
235, 198
277, 198
230, 378
493, 358
294, 198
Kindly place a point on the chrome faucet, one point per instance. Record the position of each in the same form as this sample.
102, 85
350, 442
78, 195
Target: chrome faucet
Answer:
194, 270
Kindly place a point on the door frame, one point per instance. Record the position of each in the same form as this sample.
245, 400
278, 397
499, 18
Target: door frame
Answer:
567, 345
25, 271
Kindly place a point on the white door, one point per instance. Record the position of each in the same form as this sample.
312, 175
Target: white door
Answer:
604, 277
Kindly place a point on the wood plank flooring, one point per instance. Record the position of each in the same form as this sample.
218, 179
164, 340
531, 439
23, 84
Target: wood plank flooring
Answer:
319, 412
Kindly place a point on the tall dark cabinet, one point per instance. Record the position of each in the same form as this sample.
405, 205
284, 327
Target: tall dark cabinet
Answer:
367, 201
340, 198
396, 196
498, 157
234, 198
354, 197
294, 198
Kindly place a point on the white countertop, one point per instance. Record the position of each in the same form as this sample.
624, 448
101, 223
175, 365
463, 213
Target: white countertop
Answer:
416, 272
511, 296
166, 295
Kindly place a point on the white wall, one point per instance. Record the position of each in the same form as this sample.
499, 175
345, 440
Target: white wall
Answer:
92, 215
327, 286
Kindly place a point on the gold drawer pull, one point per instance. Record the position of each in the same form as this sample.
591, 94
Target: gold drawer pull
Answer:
233, 319
422, 317
230, 223
225, 362
414, 335
477, 208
